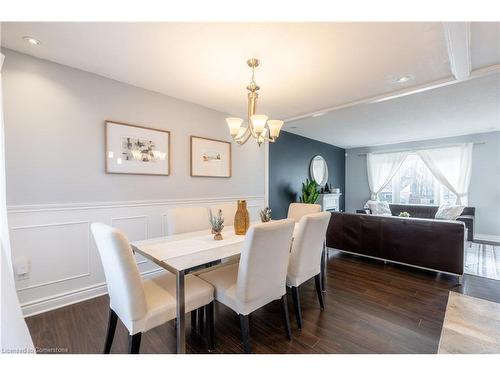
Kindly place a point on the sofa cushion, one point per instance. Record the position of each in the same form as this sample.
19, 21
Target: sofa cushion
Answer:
449, 212
379, 208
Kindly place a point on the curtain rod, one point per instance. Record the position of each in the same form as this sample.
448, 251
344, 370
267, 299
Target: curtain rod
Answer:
419, 148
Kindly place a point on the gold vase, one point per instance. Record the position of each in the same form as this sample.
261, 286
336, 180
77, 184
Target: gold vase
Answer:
242, 218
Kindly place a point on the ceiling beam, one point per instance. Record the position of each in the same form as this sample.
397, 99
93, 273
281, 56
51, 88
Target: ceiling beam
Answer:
477, 73
457, 35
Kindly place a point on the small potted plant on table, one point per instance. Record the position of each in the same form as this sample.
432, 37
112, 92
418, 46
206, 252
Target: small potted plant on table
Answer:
217, 224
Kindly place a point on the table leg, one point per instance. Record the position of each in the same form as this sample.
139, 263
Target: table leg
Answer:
181, 314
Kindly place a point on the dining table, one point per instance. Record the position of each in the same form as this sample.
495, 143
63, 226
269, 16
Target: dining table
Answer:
183, 253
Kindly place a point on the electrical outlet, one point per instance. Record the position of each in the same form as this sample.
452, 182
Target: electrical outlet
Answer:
22, 268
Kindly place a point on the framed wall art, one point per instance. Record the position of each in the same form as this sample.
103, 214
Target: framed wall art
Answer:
210, 157
134, 149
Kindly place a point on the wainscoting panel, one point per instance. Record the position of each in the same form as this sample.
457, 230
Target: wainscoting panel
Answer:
65, 264
48, 247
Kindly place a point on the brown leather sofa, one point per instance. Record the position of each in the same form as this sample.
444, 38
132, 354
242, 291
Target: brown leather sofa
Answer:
429, 211
432, 244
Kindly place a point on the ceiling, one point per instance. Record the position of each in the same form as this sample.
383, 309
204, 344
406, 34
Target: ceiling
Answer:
468, 107
305, 67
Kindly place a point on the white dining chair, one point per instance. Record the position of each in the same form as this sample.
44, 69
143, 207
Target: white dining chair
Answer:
187, 219
228, 212
260, 276
305, 257
297, 210
142, 304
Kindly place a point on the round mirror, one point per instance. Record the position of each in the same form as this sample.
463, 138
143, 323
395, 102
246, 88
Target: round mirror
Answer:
319, 170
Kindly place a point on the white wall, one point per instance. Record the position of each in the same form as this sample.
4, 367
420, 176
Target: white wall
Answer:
56, 185
14, 334
484, 186
54, 119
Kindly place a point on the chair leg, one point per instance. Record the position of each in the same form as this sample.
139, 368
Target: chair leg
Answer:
323, 269
286, 317
201, 320
317, 281
211, 326
113, 318
296, 305
134, 343
245, 333
193, 322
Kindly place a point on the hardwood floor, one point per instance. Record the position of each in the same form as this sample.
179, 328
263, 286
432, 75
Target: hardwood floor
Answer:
370, 307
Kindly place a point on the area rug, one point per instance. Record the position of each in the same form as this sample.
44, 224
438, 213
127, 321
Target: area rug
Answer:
471, 326
483, 259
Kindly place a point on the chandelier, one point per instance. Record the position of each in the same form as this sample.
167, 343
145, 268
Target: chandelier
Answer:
257, 126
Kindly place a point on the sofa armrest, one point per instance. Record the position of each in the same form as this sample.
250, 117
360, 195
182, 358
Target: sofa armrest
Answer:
468, 220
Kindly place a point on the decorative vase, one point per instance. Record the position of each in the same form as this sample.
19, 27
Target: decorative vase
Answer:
242, 218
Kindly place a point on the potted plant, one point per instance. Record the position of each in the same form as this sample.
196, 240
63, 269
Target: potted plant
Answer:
217, 224
309, 191
265, 215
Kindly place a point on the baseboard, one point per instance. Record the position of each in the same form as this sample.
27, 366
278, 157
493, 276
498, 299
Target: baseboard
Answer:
486, 237
69, 298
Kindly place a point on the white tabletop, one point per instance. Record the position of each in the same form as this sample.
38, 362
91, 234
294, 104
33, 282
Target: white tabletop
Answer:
184, 251
192, 249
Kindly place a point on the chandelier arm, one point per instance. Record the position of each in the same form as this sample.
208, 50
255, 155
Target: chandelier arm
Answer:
243, 135
254, 134
244, 139
267, 139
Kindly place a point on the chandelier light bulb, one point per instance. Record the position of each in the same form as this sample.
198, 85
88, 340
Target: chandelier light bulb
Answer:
258, 123
274, 128
234, 124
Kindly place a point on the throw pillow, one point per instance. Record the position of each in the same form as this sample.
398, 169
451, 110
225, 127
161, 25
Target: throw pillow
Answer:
448, 212
379, 208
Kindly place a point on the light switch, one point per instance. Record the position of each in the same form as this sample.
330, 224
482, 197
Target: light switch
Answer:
22, 268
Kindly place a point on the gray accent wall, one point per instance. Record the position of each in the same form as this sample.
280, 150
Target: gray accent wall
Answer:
54, 126
289, 160
484, 186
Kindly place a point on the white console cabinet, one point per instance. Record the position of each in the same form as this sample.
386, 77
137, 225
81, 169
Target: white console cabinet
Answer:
329, 202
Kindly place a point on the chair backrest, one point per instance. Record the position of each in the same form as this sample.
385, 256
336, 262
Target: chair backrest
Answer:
297, 210
307, 246
124, 282
228, 212
187, 219
263, 263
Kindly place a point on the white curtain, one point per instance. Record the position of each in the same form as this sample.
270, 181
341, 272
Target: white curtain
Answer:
15, 337
451, 166
381, 169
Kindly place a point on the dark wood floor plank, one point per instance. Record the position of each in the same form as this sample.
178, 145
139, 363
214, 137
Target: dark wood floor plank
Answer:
370, 307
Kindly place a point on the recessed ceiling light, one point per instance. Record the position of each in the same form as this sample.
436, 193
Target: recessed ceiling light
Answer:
404, 79
318, 114
31, 40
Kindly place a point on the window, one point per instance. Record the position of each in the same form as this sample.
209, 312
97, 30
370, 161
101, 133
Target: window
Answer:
415, 184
